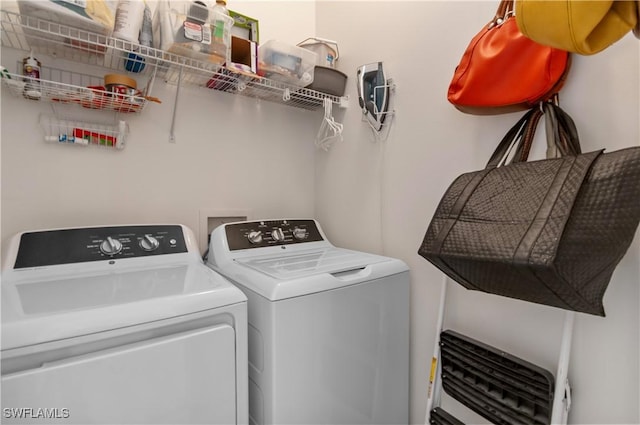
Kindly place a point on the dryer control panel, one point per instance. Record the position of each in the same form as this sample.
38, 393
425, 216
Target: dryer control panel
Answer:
66, 246
264, 233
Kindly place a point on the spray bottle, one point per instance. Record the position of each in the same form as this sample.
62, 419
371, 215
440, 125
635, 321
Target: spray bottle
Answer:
31, 70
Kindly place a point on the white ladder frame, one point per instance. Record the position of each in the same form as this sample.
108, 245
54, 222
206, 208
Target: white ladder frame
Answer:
562, 391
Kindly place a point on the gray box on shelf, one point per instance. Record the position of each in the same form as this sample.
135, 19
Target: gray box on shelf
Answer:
328, 80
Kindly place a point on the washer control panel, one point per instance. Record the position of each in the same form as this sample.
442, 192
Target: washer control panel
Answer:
263, 233
66, 246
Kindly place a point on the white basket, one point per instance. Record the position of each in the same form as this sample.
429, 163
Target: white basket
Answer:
80, 133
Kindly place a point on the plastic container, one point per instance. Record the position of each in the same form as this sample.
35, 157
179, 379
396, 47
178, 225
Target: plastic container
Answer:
114, 81
328, 80
287, 63
97, 17
327, 50
129, 17
190, 28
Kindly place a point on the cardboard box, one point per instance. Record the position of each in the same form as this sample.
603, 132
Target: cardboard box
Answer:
244, 55
244, 27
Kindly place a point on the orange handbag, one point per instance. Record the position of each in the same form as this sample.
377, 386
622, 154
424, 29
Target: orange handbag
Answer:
503, 71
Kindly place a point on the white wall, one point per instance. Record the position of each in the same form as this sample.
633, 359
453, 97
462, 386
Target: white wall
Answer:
232, 153
380, 196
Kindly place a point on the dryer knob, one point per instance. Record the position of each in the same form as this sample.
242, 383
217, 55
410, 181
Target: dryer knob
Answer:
299, 233
149, 243
254, 237
110, 246
277, 235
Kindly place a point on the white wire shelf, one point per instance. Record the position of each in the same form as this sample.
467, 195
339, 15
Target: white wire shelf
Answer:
57, 40
67, 87
60, 41
226, 80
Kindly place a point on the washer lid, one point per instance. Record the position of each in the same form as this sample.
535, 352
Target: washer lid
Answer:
278, 277
37, 309
302, 264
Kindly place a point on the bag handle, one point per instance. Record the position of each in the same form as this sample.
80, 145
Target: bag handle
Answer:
561, 132
513, 138
505, 8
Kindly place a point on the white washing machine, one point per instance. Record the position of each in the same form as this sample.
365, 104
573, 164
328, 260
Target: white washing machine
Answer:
121, 324
328, 327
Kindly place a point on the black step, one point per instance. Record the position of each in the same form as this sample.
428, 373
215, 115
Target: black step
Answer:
439, 416
499, 386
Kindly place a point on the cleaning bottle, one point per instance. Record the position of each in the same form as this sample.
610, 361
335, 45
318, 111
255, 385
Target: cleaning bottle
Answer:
134, 62
218, 28
129, 16
146, 30
221, 8
31, 69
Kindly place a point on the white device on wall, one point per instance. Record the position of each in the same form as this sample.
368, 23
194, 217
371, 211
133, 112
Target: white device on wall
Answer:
373, 94
328, 327
120, 324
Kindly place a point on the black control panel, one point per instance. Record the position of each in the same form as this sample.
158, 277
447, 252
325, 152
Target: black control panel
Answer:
260, 234
81, 245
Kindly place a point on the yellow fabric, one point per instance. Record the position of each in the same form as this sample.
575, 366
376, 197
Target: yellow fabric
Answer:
584, 27
100, 12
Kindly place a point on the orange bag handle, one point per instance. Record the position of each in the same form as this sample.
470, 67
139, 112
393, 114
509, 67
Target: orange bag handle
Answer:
505, 8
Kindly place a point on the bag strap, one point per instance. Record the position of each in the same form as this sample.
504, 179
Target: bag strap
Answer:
523, 149
513, 138
562, 136
567, 124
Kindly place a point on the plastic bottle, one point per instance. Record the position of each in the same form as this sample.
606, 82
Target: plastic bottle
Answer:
129, 15
146, 31
221, 39
218, 30
134, 62
31, 69
221, 7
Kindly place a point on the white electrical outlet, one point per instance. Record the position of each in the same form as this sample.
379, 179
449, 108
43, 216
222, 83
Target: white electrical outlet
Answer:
210, 219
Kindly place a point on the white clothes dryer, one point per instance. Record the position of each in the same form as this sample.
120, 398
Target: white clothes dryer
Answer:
328, 327
120, 324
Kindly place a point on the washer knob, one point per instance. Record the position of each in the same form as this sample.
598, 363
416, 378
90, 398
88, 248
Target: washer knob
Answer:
299, 233
149, 243
110, 246
254, 236
277, 234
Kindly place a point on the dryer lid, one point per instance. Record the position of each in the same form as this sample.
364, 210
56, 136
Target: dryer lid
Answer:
38, 309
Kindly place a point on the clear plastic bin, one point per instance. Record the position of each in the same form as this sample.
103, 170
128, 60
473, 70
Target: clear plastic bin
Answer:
189, 28
288, 63
78, 17
97, 16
